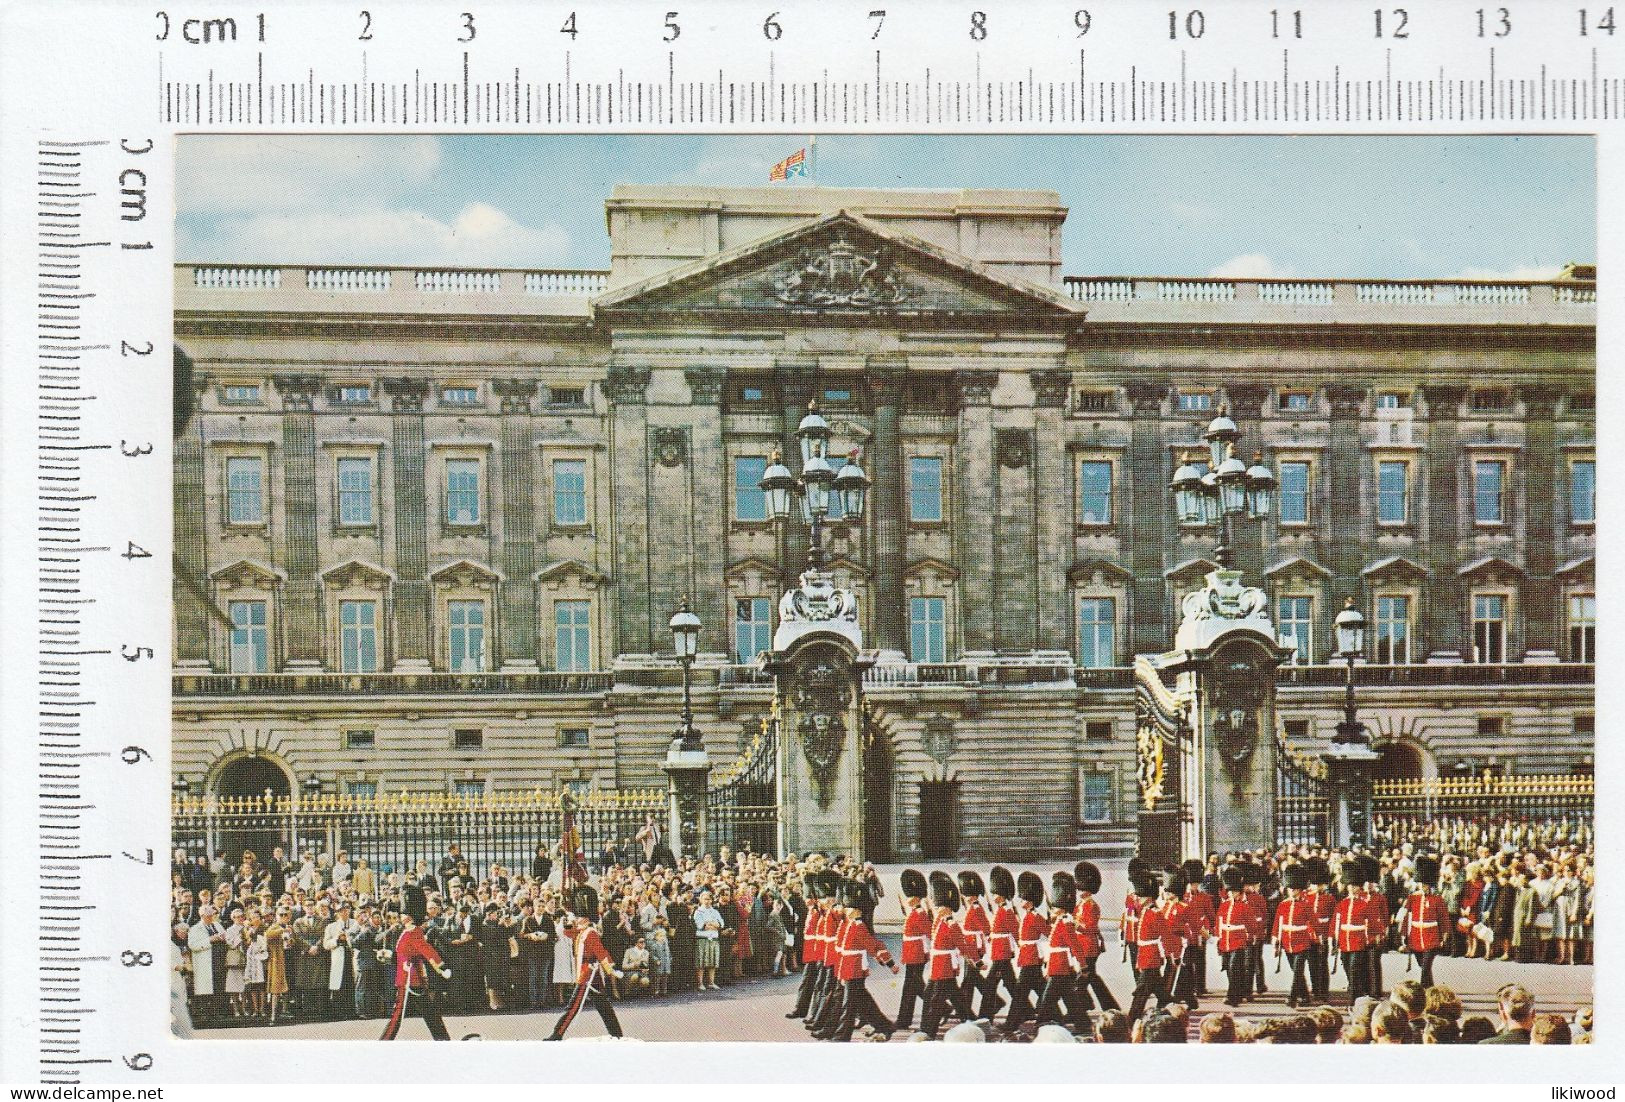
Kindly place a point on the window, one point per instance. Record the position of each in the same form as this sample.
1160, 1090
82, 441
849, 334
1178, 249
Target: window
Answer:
1491, 726
566, 396
1295, 621
569, 492
1297, 730
750, 502
467, 738
1097, 797
250, 393
573, 738
248, 639
355, 491
1489, 491
572, 636
355, 393
927, 635
468, 790
1489, 628
1582, 627
753, 627
1098, 730
1393, 478
924, 488
1393, 635
1294, 496
750, 394
1585, 727
1097, 632
245, 498
463, 492
358, 636
1195, 401
466, 642
1494, 400
459, 395
359, 740
1583, 491
1096, 401
1393, 399
1295, 401
1095, 492
361, 790
837, 394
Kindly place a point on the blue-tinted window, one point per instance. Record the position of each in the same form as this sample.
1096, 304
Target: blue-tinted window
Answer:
924, 488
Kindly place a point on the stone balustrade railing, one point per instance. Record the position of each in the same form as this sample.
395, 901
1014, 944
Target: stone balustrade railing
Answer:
567, 283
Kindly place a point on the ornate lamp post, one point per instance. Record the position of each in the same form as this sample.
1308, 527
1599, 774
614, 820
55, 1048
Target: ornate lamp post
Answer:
1228, 491
1349, 759
816, 484
686, 762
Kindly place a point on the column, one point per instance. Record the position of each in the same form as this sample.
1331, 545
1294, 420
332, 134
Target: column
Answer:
516, 636
1150, 521
1054, 537
1247, 410
301, 612
191, 551
1345, 458
1540, 595
413, 613
626, 387
974, 509
795, 379
709, 514
1014, 557
1444, 632
886, 377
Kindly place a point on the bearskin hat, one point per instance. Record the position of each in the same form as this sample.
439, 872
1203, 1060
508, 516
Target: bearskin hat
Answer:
943, 891
1318, 871
853, 894
1145, 885
1295, 877
1030, 888
415, 903
1001, 882
829, 884
1063, 892
1174, 881
1252, 874
913, 882
584, 902
1087, 877
970, 884
1137, 865
1232, 879
1194, 870
1427, 871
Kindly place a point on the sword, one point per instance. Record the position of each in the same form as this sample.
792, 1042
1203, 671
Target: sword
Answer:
1277, 958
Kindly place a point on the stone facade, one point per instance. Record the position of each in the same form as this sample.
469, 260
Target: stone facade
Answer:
417, 503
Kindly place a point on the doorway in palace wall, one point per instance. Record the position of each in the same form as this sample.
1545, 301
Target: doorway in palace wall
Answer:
1401, 761
247, 820
879, 777
939, 819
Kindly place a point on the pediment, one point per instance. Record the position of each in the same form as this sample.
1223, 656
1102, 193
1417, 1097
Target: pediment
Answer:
752, 565
1395, 566
1199, 568
248, 573
841, 265
1298, 565
1085, 570
465, 572
357, 572
562, 570
1491, 566
1582, 567
931, 565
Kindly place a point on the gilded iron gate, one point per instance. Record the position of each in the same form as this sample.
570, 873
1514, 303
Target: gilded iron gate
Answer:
1163, 746
742, 808
1303, 804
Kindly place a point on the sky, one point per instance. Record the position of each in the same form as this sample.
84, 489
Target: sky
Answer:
1308, 207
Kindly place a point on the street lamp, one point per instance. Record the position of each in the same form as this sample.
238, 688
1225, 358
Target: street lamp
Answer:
685, 642
815, 484
1350, 628
1229, 490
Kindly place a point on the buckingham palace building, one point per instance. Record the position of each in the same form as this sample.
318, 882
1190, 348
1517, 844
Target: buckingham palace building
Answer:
431, 524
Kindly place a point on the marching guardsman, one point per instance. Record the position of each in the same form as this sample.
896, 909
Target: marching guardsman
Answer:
1350, 938
1129, 927
1234, 939
1001, 948
1322, 902
1379, 921
978, 928
1092, 989
825, 1012
414, 956
812, 946
916, 946
1176, 939
1258, 931
1062, 960
1201, 911
1424, 917
852, 955
1030, 931
949, 945
1294, 931
1149, 953
592, 962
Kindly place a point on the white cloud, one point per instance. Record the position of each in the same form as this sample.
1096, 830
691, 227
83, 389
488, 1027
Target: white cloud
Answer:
1532, 273
1252, 266
230, 174
479, 235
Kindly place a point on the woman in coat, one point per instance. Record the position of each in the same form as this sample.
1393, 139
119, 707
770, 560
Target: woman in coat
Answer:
1523, 917
495, 933
256, 952
467, 969
309, 964
1566, 903
236, 960
1500, 915
1542, 919
1470, 909
278, 940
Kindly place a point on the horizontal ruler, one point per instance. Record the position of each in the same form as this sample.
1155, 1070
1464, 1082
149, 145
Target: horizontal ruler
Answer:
782, 64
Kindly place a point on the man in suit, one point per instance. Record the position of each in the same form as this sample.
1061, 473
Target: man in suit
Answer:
1517, 1007
535, 934
372, 961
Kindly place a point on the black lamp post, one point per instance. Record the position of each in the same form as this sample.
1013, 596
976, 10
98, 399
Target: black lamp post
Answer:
1227, 491
1350, 627
687, 763
1350, 761
685, 640
817, 481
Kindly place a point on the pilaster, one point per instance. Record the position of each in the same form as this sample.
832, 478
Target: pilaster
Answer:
627, 389
1445, 636
301, 619
973, 512
886, 376
517, 639
413, 611
1151, 526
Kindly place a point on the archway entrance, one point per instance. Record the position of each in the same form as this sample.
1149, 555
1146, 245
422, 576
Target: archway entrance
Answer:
878, 779
246, 819
1401, 761
939, 819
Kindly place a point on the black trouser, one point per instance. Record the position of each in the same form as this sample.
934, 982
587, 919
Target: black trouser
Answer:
913, 994
1029, 982
1373, 965
804, 994
858, 1007
1299, 963
423, 1005
1060, 990
1200, 961
1150, 983
1182, 977
1424, 957
1357, 971
600, 1002
1319, 971
940, 997
825, 1016
1258, 968
1091, 983
1238, 970
1000, 971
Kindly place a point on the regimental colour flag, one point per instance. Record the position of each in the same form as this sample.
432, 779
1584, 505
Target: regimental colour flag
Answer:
793, 165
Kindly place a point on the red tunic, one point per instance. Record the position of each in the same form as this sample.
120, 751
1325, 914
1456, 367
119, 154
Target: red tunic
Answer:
1131, 917
948, 947
1349, 926
1425, 917
916, 936
1321, 906
1294, 930
1005, 930
1173, 929
812, 940
412, 952
1030, 933
1258, 915
853, 951
1201, 913
1148, 941
590, 953
1091, 943
1374, 906
1233, 925
976, 927
1064, 947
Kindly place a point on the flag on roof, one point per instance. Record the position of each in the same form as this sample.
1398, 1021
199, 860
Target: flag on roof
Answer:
793, 165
